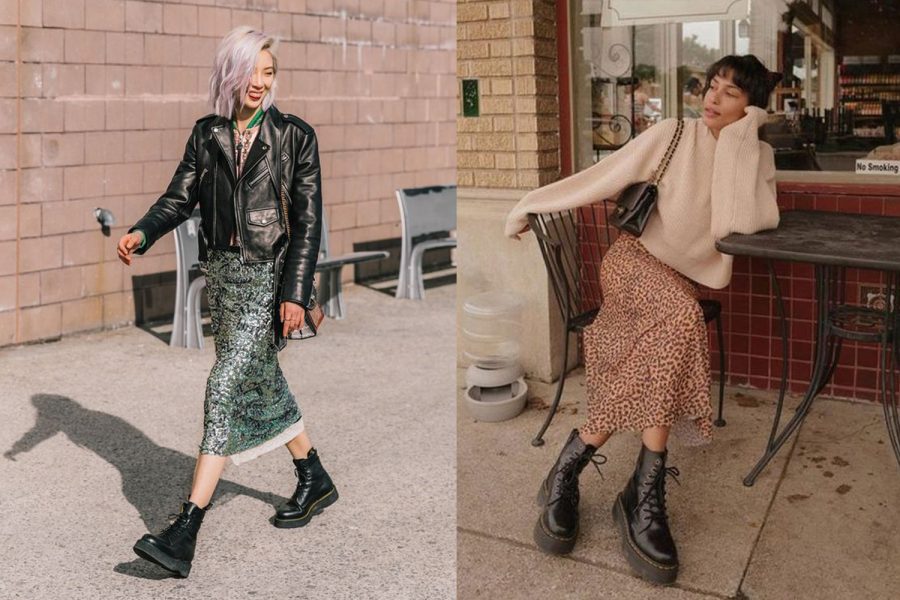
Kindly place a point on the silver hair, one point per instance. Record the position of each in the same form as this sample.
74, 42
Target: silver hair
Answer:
233, 68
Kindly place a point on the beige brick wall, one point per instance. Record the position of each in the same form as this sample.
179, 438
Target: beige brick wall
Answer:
108, 91
510, 47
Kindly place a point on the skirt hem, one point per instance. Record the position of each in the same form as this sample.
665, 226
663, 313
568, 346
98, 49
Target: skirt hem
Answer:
260, 449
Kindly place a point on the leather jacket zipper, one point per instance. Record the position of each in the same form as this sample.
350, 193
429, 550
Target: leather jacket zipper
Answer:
215, 179
237, 223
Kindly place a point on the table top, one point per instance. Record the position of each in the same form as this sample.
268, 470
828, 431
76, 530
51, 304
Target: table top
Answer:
825, 238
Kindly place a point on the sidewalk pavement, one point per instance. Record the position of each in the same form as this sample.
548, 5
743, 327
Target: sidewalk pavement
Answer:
100, 436
821, 522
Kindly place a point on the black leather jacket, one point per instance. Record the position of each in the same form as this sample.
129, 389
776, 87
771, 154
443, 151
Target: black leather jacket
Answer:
285, 150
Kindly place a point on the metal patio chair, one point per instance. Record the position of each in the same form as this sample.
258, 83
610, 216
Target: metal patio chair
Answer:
423, 211
186, 326
330, 288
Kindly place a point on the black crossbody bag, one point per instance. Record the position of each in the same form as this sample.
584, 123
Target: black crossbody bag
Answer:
637, 201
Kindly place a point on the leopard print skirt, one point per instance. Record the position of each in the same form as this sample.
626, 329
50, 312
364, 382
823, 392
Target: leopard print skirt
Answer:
646, 354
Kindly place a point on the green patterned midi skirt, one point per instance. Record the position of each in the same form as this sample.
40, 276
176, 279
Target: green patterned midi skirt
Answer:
249, 408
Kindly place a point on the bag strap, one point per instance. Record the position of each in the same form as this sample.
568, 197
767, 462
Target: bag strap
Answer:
673, 145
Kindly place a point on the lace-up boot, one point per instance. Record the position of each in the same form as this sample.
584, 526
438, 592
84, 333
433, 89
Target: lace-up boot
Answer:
640, 513
557, 528
173, 547
314, 492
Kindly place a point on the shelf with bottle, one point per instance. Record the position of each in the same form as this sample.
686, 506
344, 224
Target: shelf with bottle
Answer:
865, 83
870, 79
871, 94
862, 109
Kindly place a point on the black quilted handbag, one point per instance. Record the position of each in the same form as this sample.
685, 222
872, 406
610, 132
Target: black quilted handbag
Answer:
638, 200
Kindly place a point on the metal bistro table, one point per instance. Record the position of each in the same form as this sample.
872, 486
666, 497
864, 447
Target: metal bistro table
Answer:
832, 242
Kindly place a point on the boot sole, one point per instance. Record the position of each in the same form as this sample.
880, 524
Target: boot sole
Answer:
149, 552
546, 541
317, 507
646, 568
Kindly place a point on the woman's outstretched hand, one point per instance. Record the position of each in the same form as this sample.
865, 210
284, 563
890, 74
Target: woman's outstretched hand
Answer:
292, 315
127, 243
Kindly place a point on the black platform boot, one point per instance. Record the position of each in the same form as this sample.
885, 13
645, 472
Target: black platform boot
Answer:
640, 513
557, 527
314, 492
173, 547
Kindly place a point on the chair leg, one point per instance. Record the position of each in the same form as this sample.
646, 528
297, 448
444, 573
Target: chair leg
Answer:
337, 289
720, 422
177, 337
403, 275
194, 337
539, 438
416, 279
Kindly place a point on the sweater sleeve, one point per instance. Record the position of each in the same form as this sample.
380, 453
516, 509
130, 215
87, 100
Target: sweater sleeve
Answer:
743, 181
629, 164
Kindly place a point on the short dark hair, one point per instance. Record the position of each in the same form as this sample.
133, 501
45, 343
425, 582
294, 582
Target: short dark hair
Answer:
749, 74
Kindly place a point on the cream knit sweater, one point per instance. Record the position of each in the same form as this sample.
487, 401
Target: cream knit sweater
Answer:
712, 188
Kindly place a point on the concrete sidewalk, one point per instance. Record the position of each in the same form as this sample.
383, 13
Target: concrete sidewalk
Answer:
821, 522
100, 435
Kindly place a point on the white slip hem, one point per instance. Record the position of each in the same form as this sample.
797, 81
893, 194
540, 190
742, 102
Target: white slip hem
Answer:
279, 440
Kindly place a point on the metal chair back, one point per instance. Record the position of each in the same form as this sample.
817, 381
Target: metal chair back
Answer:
427, 210
572, 243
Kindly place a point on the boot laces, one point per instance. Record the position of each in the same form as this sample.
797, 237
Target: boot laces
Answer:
569, 487
178, 522
654, 496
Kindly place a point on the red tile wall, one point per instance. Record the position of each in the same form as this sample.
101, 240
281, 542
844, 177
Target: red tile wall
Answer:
752, 337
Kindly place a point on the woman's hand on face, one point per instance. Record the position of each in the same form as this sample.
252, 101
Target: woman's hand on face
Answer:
292, 315
127, 243
757, 114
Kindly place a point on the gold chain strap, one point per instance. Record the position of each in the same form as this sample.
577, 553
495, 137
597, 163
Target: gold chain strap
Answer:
670, 151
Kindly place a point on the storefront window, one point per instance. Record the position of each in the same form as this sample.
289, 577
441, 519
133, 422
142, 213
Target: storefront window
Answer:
701, 45
838, 100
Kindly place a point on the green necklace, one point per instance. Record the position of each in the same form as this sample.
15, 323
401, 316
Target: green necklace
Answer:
256, 119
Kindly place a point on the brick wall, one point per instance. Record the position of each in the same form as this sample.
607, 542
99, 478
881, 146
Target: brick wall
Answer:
509, 46
108, 91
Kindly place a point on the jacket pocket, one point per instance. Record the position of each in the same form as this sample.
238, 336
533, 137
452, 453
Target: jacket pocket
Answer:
256, 179
262, 216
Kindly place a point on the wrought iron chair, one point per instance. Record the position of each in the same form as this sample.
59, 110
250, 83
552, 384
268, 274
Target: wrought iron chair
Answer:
572, 251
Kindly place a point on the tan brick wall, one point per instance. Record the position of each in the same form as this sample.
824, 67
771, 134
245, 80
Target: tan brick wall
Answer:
108, 91
510, 47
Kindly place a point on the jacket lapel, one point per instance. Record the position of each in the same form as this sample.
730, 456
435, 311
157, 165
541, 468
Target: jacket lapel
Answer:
258, 148
222, 132
266, 142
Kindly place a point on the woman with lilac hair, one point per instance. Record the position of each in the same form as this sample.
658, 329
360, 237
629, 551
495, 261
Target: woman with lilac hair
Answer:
254, 172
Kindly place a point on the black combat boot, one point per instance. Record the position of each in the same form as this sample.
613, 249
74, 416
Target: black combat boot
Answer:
173, 547
640, 513
314, 492
557, 527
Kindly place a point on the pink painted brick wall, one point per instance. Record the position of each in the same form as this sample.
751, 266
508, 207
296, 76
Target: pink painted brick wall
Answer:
108, 91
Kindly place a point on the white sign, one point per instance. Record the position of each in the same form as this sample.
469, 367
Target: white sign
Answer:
647, 12
877, 167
